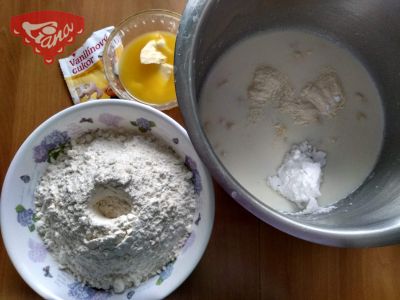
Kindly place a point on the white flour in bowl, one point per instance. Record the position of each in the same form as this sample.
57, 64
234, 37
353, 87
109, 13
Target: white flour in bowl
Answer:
116, 208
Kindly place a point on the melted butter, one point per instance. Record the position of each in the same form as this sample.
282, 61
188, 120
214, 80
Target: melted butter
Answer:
147, 82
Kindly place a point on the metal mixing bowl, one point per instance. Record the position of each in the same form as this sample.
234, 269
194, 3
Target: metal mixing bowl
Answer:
371, 30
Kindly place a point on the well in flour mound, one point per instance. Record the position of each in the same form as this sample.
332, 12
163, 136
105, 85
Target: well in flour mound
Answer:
116, 208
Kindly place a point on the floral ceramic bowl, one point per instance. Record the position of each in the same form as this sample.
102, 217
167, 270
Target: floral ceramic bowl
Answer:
23, 244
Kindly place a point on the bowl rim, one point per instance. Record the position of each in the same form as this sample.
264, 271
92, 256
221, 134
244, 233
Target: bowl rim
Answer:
106, 61
37, 287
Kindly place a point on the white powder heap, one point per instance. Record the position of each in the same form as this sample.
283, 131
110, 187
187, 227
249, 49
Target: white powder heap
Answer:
299, 177
116, 208
322, 97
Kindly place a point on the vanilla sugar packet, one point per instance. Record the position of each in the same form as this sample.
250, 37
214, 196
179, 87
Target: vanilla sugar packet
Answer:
83, 70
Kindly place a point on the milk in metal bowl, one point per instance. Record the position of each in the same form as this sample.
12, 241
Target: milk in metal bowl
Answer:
252, 147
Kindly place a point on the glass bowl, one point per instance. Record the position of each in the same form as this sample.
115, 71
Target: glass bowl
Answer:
129, 29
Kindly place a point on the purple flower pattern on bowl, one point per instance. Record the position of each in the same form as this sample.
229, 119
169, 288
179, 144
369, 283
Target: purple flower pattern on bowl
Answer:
130, 294
198, 219
143, 124
110, 119
51, 146
196, 179
46, 272
26, 217
165, 273
88, 120
25, 178
82, 292
37, 251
